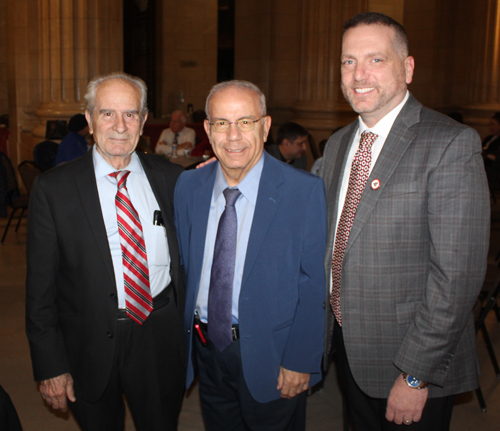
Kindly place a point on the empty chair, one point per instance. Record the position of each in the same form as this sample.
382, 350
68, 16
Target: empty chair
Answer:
487, 301
12, 197
28, 171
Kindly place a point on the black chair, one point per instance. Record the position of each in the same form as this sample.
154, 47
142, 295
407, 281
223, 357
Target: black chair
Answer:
486, 302
12, 196
29, 171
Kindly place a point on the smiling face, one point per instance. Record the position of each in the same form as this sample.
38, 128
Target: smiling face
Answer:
374, 74
116, 122
238, 152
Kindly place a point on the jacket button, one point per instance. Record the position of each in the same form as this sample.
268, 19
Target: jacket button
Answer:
112, 296
109, 334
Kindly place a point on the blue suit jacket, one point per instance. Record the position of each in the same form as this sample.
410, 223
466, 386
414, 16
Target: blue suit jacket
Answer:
281, 304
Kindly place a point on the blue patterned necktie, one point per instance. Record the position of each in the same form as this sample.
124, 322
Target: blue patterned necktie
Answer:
220, 294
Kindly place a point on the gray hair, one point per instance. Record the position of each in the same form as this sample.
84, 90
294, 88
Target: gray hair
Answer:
240, 85
136, 82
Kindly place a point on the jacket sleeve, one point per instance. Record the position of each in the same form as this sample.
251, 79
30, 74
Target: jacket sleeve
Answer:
304, 348
458, 223
48, 353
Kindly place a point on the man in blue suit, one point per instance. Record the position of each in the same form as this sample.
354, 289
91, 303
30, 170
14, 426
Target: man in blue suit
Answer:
254, 277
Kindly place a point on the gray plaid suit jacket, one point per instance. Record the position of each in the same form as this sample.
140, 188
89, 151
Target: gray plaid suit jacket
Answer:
416, 255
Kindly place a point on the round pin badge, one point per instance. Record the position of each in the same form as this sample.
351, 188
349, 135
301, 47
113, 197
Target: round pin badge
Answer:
375, 184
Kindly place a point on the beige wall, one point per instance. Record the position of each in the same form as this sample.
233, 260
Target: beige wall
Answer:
187, 53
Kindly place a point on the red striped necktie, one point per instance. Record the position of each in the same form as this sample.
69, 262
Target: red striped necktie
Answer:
138, 300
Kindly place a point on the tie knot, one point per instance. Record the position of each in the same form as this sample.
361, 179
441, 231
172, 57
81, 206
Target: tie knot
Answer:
367, 138
121, 177
231, 195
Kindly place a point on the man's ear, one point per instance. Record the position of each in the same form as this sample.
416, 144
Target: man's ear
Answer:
89, 122
144, 121
267, 126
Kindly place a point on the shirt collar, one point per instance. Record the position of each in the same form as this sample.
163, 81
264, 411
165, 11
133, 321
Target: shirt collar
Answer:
248, 186
384, 126
102, 168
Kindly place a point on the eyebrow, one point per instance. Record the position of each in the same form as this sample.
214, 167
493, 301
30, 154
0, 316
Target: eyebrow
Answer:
251, 117
370, 54
134, 111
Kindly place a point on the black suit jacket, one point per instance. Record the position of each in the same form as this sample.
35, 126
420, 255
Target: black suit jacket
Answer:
71, 299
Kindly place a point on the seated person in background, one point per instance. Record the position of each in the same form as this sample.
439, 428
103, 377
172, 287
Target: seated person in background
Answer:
290, 146
491, 150
178, 131
74, 144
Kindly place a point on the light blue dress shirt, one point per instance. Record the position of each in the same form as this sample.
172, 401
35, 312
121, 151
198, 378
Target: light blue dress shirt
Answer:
245, 208
144, 201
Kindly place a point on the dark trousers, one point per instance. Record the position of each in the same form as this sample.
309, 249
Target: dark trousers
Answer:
148, 369
226, 401
368, 414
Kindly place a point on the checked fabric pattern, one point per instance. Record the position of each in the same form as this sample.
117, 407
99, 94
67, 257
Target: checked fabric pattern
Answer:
360, 169
138, 300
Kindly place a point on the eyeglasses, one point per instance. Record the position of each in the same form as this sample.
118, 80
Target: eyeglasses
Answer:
245, 125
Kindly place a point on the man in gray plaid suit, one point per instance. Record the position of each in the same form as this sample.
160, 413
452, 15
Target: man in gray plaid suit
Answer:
415, 253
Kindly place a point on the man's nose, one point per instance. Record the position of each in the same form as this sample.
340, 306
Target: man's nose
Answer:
234, 132
120, 124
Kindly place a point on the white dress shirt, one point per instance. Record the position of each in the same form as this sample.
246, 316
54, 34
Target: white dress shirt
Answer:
382, 129
144, 201
185, 135
245, 208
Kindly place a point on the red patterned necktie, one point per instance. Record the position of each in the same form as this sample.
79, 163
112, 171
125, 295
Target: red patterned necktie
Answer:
135, 262
360, 170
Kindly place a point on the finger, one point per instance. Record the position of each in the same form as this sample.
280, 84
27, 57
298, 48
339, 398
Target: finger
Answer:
280, 381
70, 392
60, 403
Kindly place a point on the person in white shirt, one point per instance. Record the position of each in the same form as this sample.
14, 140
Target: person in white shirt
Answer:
185, 136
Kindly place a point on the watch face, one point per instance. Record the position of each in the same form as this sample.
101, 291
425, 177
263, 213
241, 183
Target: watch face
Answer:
412, 381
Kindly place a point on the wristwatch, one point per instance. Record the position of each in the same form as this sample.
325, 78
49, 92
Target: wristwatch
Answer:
413, 382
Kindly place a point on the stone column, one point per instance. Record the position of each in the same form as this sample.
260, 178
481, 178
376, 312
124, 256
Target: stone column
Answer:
79, 39
321, 106
483, 89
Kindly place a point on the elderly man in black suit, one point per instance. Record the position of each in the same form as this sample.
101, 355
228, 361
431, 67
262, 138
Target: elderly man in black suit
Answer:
105, 292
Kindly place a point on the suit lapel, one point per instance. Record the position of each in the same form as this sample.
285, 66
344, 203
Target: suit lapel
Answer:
268, 200
334, 182
202, 197
85, 183
396, 144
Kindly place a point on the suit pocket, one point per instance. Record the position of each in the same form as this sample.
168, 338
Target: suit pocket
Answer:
405, 312
399, 189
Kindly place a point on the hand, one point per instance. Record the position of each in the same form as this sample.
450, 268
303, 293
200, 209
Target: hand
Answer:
405, 404
291, 383
211, 160
54, 391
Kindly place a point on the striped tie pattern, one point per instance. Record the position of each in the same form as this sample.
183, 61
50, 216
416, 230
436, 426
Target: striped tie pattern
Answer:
360, 170
138, 300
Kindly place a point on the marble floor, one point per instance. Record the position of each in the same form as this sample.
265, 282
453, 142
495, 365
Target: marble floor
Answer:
324, 406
